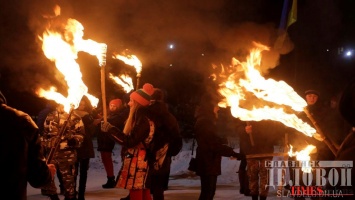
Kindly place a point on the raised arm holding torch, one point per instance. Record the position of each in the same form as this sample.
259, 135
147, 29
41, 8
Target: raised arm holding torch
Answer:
330, 144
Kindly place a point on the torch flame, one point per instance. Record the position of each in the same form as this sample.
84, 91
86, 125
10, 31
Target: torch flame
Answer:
247, 80
303, 156
124, 81
63, 49
131, 60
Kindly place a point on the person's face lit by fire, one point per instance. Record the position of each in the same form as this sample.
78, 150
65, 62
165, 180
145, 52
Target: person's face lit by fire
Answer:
311, 99
113, 107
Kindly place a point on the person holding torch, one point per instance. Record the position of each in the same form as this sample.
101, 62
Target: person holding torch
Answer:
135, 137
65, 157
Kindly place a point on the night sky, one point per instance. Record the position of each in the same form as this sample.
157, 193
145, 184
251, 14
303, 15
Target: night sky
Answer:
312, 56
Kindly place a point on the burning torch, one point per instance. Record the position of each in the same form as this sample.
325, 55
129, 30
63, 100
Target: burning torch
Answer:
131, 60
330, 144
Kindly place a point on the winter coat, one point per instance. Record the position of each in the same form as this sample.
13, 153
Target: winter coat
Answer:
86, 150
21, 154
134, 171
73, 136
166, 128
166, 125
210, 147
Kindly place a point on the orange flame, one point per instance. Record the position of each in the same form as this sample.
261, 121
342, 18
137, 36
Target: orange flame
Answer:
63, 49
274, 96
131, 60
124, 81
303, 156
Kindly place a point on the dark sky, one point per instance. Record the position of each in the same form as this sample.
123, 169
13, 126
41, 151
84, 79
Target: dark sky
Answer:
218, 29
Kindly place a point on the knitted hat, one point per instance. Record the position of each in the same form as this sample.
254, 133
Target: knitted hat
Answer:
311, 92
116, 102
143, 96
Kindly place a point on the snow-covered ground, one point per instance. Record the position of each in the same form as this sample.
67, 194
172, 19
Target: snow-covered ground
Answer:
183, 184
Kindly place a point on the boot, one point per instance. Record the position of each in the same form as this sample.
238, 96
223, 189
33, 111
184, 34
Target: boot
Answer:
254, 197
262, 198
70, 198
81, 197
244, 183
82, 187
111, 183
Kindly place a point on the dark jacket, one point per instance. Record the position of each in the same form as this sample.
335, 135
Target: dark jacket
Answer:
166, 125
327, 124
21, 154
210, 147
265, 133
86, 150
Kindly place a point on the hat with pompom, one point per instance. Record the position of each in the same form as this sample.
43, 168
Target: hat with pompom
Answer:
144, 95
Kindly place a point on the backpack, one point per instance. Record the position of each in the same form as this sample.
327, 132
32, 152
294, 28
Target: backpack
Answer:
167, 141
175, 140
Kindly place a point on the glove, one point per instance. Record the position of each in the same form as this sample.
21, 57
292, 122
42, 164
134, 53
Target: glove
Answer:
105, 126
239, 156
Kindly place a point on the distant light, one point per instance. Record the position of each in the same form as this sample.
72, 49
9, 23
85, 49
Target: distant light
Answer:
327, 50
171, 46
349, 53
171, 65
202, 54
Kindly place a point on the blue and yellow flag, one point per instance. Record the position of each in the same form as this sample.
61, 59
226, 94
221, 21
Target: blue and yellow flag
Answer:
292, 15
288, 17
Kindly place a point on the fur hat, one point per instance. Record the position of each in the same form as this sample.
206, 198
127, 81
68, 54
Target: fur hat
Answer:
116, 102
144, 95
311, 92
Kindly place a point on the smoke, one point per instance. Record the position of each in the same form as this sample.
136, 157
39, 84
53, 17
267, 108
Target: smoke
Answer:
147, 28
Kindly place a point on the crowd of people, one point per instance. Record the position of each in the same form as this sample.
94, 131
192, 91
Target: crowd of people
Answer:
141, 122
